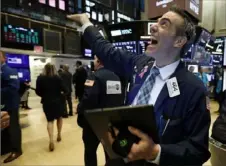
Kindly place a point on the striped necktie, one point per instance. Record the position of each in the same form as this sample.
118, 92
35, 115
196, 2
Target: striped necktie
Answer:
145, 91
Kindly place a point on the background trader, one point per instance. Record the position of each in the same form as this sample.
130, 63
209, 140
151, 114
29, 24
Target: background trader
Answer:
10, 99
64, 78
180, 107
79, 78
68, 84
102, 89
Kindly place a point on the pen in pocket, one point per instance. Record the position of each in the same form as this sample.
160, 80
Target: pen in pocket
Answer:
167, 123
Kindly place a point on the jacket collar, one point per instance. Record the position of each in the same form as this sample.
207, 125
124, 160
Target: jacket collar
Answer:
179, 74
167, 71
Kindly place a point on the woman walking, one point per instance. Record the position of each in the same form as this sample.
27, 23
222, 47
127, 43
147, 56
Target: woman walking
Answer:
50, 88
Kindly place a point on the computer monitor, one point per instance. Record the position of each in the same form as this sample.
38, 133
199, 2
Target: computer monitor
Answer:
224, 80
224, 51
142, 46
20, 37
217, 59
201, 55
87, 53
127, 45
202, 36
24, 74
193, 68
17, 60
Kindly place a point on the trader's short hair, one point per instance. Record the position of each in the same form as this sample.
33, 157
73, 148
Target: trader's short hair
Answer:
66, 67
79, 63
61, 66
3, 54
187, 29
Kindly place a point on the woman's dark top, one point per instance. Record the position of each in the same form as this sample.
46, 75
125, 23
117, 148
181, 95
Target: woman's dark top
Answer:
52, 92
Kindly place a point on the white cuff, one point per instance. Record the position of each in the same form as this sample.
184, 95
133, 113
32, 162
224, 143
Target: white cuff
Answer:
86, 26
157, 159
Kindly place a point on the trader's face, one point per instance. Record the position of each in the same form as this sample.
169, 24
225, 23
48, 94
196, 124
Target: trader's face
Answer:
96, 63
2, 58
164, 37
191, 69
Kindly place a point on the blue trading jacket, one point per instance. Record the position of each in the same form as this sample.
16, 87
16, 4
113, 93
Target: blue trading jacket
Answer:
9, 88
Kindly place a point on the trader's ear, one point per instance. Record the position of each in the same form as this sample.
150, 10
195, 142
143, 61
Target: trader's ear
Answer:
180, 41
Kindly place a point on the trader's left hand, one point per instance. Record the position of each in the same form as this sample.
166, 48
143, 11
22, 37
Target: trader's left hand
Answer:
145, 149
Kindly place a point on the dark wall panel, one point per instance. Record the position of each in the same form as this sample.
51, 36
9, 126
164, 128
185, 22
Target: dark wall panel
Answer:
72, 43
39, 25
18, 21
52, 41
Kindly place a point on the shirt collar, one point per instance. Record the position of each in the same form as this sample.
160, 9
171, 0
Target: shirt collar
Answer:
167, 71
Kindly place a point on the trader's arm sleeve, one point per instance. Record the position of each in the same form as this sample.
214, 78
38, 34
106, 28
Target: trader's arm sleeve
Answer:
119, 61
38, 89
13, 83
194, 149
74, 79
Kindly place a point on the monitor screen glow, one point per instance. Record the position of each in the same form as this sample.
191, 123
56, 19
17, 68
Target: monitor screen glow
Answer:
62, 4
127, 45
201, 56
17, 60
193, 68
224, 80
88, 53
94, 15
20, 74
225, 51
52, 3
42, 1
20, 35
24, 74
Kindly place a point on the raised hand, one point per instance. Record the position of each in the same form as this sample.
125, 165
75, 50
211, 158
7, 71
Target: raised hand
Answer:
79, 18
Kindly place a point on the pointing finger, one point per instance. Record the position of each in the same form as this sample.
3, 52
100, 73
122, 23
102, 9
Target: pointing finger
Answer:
137, 133
110, 138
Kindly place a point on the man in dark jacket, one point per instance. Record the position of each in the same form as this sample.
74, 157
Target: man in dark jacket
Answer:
97, 95
68, 83
179, 97
64, 77
10, 102
79, 79
219, 126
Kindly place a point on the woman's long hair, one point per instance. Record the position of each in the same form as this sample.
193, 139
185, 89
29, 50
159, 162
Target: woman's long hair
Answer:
49, 70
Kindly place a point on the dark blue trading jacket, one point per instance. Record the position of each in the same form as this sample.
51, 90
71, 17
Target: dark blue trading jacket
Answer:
9, 89
185, 142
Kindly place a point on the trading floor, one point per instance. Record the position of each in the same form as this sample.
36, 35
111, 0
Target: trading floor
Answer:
68, 152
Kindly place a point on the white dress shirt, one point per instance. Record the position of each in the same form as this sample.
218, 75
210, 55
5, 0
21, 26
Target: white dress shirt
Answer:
86, 26
160, 80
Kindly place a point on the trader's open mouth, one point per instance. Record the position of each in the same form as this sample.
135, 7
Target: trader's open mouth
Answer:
153, 41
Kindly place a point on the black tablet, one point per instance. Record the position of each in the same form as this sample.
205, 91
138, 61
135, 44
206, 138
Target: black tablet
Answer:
141, 117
